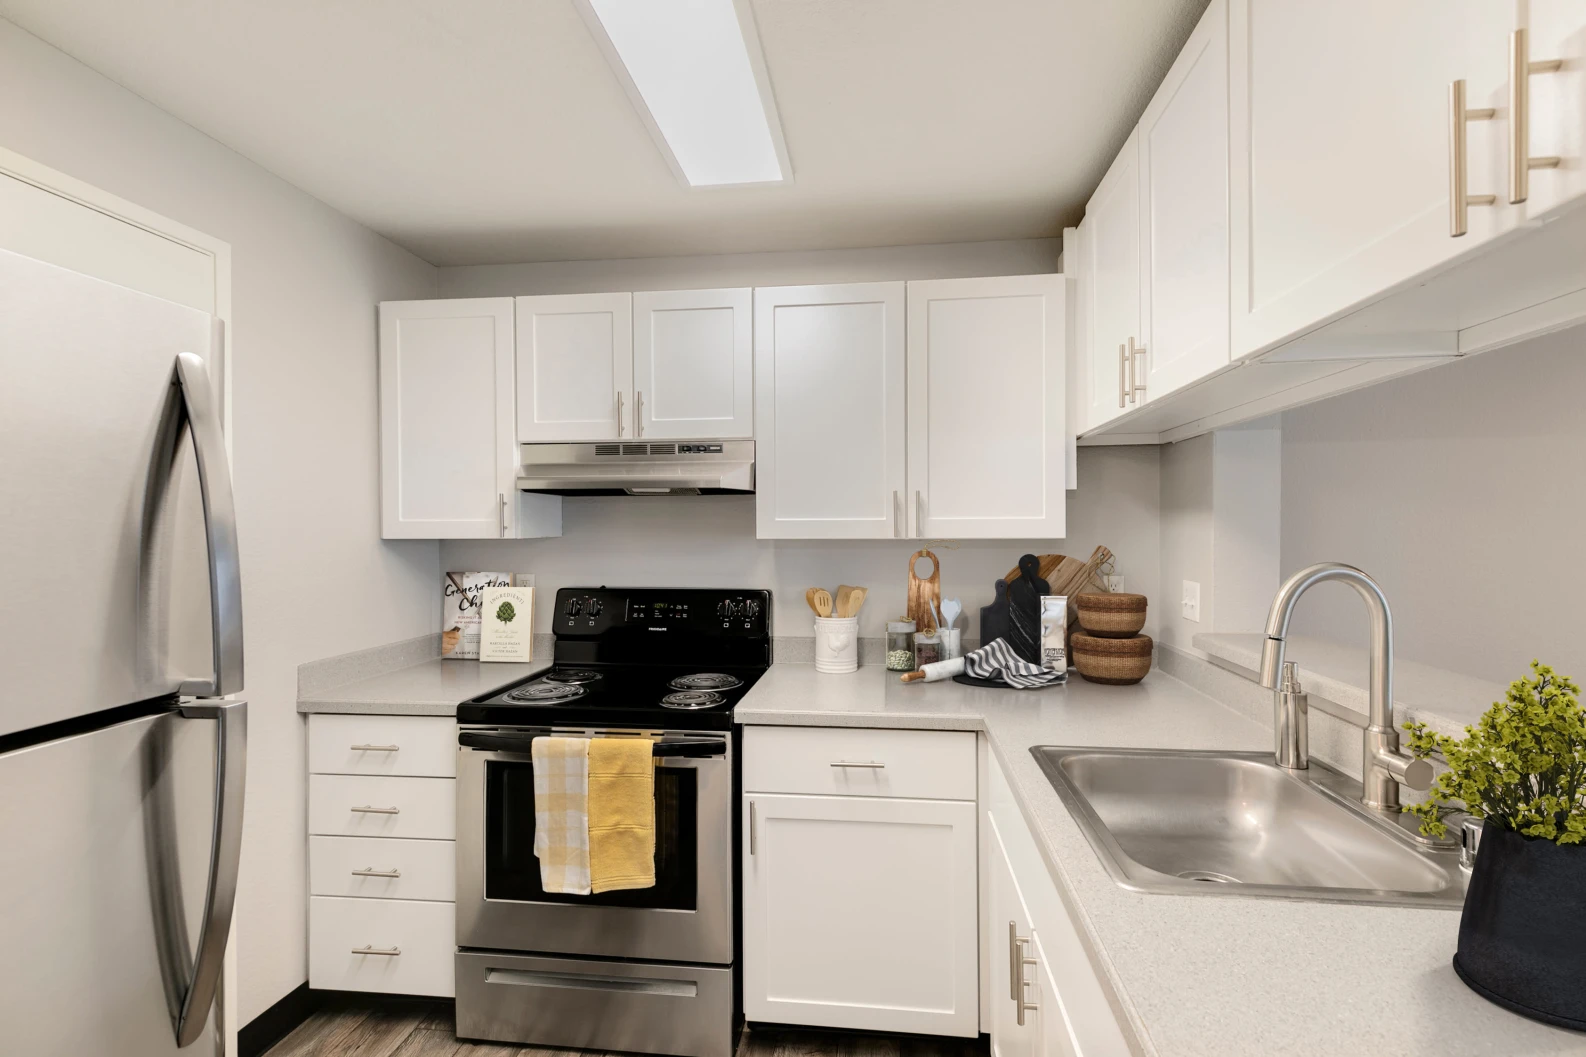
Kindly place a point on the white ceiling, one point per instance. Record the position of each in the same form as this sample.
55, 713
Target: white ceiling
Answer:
490, 131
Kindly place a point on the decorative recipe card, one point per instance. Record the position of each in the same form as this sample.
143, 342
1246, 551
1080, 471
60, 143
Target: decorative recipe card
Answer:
506, 629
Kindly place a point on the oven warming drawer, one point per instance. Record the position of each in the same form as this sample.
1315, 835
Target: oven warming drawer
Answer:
595, 1005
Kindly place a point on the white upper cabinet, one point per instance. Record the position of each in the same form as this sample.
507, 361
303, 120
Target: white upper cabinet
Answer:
987, 408
575, 367
1557, 111
448, 461
693, 364
1183, 159
1113, 266
829, 411
1342, 157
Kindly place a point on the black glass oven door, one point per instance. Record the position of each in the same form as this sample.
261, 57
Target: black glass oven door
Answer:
512, 871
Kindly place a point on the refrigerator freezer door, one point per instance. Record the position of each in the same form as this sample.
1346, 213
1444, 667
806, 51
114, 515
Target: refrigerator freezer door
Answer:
86, 375
107, 840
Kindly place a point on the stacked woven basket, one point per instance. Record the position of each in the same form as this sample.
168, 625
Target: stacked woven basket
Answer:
1111, 649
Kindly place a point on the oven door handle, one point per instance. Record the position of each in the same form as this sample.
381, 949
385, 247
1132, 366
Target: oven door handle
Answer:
520, 743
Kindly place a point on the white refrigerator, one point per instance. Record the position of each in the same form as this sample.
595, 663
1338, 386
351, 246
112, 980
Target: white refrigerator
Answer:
122, 743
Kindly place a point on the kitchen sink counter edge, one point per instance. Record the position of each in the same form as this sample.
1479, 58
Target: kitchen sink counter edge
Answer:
1194, 975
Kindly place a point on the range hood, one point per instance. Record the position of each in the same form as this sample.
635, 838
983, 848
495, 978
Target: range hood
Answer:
673, 467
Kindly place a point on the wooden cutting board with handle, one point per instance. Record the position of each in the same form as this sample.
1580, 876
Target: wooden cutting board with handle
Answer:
922, 592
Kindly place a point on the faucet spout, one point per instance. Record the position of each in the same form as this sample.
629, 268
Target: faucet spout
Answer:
1383, 766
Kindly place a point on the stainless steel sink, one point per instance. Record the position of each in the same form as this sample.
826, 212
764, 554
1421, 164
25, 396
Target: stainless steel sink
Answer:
1237, 824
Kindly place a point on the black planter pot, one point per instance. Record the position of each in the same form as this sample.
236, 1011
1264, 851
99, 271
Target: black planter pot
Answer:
1522, 936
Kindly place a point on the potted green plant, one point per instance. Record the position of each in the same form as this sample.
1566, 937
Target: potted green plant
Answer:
1521, 770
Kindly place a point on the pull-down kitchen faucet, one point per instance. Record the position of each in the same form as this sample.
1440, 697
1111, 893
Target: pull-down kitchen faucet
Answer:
1383, 767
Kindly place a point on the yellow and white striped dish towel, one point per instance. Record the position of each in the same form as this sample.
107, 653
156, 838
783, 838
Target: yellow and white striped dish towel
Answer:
561, 813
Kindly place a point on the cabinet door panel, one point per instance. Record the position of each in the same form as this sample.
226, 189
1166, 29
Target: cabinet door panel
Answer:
1340, 151
859, 913
987, 407
444, 474
1557, 30
1113, 215
575, 367
693, 364
1008, 918
1184, 214
829, 411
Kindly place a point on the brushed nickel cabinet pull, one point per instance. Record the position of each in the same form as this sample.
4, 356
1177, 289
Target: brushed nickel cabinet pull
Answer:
919, 513
370, 871
375, 748
1459, 198
388, 952
1135, 373
367, 810
1019, 985
501, 506
869, 765
753, 842
1123, 377
619, 412
1521, 70
638, 413
897, 514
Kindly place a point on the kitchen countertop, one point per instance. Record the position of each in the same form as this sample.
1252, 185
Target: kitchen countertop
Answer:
1197, 975
431, 688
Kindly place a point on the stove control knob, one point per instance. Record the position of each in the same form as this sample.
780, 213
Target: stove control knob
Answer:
724, 610
592, 607
574, 607
751, 608
735, 609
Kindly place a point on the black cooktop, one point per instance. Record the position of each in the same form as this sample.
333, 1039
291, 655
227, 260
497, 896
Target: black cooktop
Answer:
640, 657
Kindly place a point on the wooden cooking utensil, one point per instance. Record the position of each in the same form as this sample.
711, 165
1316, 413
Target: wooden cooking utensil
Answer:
856, 600
822, 601
809, 596
923, 592
844, 592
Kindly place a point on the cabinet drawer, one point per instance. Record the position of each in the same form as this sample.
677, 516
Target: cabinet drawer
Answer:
367, 806
360, 867
926, 764
421, 939
420, 746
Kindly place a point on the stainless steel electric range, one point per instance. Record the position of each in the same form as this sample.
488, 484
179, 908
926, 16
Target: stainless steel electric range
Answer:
648, 970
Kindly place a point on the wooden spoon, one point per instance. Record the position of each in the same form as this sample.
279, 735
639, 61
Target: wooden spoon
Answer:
809, 596
844, 600
856, 599
821, 599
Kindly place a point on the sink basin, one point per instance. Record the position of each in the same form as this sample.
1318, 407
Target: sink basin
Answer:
1224, 823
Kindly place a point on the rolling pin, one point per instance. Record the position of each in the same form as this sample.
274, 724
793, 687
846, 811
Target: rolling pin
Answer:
936, 671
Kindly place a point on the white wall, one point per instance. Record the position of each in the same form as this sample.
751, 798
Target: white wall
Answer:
944, 261
305, 281
1186, 537
709, 541
1463, 491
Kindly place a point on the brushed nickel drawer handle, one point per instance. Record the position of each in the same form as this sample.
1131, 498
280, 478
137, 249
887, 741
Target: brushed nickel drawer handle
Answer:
367, 810
1459, 198
870, 765
370, 871
388, 952
1521, 160
376, 748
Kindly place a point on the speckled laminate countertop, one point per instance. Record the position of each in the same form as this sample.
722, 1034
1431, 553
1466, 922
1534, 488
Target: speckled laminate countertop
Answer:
1219, 976
431, 688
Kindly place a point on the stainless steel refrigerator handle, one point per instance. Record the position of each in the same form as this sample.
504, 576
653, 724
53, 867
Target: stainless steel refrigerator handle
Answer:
225, 853
191, 380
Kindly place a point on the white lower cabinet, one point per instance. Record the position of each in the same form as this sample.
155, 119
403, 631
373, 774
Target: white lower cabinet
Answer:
382, 854
1074, 1014
859, 913
396, 946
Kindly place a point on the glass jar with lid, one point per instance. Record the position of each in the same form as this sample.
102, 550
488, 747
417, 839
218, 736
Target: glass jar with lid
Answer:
927, 648
900, 646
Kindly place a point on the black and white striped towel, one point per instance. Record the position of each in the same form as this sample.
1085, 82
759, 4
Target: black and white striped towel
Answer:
996, 660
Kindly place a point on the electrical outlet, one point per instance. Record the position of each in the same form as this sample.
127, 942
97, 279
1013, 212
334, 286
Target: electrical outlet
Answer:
1114, 582
1192, 601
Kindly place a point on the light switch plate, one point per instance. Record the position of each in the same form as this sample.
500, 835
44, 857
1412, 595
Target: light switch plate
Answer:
1192, 601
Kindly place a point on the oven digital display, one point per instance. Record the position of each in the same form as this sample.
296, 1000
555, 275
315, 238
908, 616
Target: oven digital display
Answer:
659, 611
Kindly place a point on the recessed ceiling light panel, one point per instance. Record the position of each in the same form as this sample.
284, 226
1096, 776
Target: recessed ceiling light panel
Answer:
694, 71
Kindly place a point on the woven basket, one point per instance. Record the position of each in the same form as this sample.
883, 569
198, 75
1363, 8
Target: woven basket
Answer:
1111, 616
1117, 662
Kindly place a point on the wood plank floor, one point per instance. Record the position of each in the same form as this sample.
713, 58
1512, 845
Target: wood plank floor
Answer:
424, 1029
